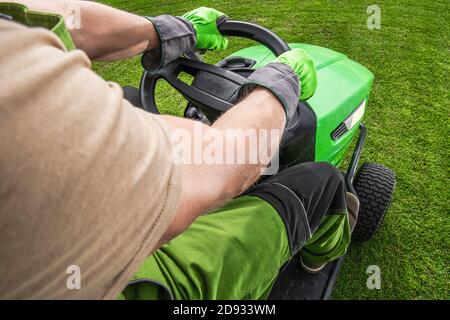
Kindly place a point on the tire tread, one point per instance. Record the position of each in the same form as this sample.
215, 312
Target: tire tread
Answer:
374, 185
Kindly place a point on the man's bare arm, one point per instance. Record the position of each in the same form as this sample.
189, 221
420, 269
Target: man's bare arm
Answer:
103, 32
207, 186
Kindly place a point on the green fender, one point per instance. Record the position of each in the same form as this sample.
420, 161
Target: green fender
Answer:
343, 86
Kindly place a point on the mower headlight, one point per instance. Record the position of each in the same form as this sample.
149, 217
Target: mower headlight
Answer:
350, 122
355, 116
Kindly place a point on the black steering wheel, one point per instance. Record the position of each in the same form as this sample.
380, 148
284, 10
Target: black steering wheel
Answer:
192, 65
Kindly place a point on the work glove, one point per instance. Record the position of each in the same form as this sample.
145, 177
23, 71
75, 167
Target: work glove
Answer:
179, 35
289, 77
206, 22
304, 67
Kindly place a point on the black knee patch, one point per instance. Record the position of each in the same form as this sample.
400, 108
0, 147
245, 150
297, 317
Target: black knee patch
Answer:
302, 195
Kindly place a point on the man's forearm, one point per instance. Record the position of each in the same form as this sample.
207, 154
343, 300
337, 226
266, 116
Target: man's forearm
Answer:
103, 32
206, 186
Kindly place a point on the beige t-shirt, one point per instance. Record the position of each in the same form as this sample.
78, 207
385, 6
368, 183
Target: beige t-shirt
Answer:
86, 183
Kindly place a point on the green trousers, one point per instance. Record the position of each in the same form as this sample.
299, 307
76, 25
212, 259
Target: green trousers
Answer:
235, 252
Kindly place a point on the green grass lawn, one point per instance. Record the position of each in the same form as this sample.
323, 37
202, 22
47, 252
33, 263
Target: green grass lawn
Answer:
407, 120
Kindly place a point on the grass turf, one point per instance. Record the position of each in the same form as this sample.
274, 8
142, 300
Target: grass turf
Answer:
407, 121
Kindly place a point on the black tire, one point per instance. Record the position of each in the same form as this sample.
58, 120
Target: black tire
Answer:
374, 185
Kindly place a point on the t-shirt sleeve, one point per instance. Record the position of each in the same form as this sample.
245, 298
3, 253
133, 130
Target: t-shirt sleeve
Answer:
87, 185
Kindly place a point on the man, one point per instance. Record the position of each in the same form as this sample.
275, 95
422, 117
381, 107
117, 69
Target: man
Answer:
88, 189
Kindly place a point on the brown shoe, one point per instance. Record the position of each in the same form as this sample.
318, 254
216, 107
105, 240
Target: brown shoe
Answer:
352, 202
352, 208
311, 268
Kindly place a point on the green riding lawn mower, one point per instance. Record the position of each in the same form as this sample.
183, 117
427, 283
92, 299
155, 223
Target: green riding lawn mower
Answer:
323, 129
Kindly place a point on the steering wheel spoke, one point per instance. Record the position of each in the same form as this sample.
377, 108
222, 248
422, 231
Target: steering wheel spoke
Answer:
217, 90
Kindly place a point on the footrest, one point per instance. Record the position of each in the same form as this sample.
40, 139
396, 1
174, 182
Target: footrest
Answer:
293, 283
